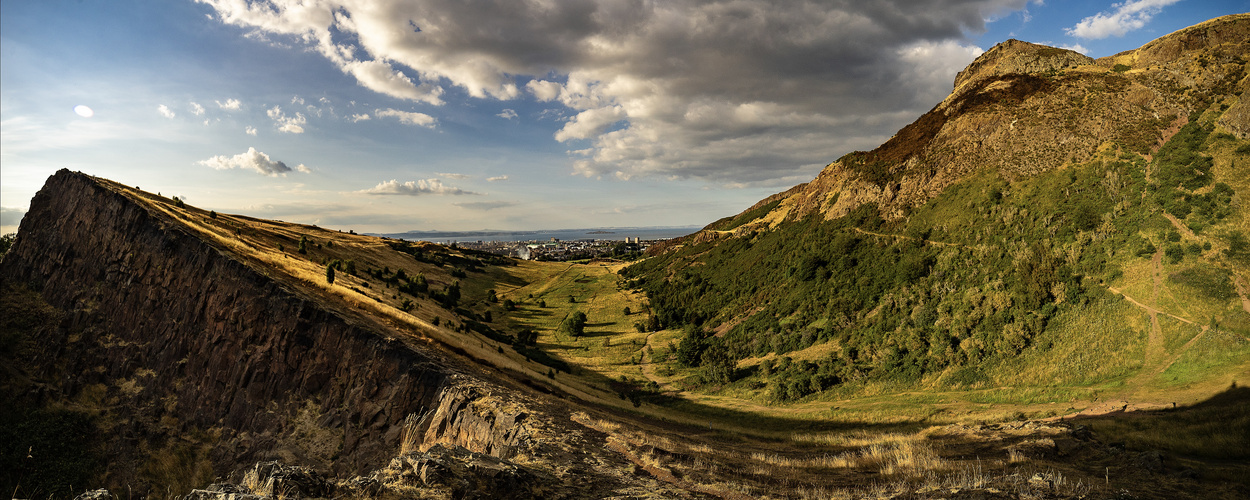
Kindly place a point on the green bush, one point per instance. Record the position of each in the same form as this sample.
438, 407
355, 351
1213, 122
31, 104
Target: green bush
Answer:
574, 325
1174, 253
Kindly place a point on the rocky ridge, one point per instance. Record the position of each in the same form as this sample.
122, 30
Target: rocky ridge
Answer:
180, 350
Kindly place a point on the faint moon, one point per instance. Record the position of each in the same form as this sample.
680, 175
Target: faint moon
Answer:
84, 111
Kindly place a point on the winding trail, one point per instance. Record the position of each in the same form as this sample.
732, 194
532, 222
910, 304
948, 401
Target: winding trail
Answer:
904, 237
1176, 223
1154, 344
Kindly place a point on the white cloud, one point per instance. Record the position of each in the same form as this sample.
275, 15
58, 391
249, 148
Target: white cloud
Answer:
590, 122
196, 109
497, 178
744, 91
359, 117
407, 117
292, 124
297, 100
508, 114
451, 175
249, 131
252, 160
383, 78
1075, 48
414, 188
1128, 16
933, 63
229, 105
165, 111
544, 90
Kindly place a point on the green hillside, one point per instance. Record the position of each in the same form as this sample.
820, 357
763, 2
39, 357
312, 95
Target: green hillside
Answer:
1050, 280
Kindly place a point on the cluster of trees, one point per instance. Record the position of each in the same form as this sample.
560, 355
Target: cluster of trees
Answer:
463, 259
651, 324
790, 381
348, 267
1181, 168
709, 354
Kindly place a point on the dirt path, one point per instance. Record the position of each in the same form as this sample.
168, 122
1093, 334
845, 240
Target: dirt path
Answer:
902, 237
1163, 367
1176, 223
1154, 344
1241, 291
1147, 308
1155, 352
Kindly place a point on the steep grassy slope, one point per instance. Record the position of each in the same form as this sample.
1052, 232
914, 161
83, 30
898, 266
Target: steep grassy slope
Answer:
1058, 222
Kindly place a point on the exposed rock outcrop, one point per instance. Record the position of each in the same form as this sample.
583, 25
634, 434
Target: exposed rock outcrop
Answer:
179, 330
1014, 57
199, 364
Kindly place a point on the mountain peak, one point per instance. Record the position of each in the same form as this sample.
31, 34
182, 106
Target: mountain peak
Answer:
1017, 57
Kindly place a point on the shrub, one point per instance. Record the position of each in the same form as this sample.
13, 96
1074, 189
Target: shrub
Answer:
690, 350
1174, 253
330, 273
1120, 68
574, 325
6, 242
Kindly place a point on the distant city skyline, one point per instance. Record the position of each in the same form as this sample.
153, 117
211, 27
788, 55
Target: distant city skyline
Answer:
393, 116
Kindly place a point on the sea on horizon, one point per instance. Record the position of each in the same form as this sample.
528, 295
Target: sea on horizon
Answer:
596, 233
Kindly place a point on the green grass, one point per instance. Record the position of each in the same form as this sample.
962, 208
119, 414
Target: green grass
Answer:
611, 345
1217, 354
1085, 345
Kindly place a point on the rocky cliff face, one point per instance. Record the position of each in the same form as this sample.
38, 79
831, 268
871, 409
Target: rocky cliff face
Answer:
1021, 109
181, 350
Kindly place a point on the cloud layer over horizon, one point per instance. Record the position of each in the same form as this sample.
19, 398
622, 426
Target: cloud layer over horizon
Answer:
735, 92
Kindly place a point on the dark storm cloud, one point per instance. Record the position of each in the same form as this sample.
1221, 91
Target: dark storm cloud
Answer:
732, 91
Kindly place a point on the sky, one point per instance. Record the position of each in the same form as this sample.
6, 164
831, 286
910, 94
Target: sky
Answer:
397, 115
